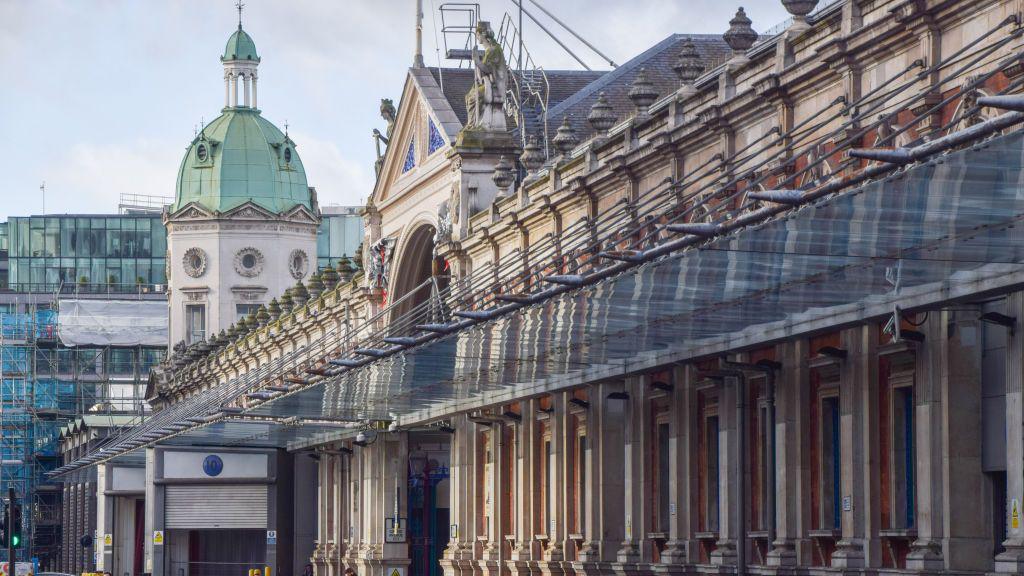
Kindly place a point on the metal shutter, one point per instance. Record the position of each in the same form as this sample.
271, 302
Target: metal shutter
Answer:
216, 506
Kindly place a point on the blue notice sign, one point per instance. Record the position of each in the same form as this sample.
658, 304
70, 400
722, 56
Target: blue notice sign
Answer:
213, 465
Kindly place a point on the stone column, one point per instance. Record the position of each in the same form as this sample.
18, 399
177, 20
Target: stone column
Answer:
636, 479
926, 551
393, 480
675, 558
1012, 559
965, 517
790, 393
857, 372
245, 84
605, 489
728, 475
105, 519
227, 89
154, 560
322, 502
491, 556
554, 554
522, 552
254, 78
460, 486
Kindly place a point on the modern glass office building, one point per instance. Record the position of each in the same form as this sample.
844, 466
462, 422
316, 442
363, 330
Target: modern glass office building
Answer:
122, 253
115, 253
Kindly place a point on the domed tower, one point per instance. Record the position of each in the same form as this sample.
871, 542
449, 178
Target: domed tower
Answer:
243, 225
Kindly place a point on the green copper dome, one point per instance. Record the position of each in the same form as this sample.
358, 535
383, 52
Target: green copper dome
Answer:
239, 157
240, 47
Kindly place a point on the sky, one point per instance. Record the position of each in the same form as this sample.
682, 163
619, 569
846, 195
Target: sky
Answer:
100, 98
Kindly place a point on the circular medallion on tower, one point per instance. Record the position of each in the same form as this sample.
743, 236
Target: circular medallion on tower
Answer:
298, 264
249, 262
194, 262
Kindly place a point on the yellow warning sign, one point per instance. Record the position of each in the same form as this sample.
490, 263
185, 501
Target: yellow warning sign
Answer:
108, 539
158, 537
396, 572
1015, 513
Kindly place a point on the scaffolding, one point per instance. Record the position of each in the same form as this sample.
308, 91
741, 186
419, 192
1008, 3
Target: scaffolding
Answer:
44, 385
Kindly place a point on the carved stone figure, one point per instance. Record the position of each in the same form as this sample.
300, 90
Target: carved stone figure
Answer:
389, 114
380, 263
487, 99
444, 224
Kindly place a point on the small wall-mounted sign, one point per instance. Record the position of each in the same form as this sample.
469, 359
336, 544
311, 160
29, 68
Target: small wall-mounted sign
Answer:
1015, 513
158, 537
396, 571
847, 503
271, 536
213, 465
108, 540
453, 531
394, 531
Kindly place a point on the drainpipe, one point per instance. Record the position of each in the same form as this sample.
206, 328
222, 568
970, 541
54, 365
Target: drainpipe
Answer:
768, 368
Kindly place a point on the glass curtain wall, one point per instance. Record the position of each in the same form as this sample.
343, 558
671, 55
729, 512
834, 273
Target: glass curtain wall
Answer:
96, 253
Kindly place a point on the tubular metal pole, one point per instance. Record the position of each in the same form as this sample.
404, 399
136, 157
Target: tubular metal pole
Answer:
12, 560
519, 3
573, 32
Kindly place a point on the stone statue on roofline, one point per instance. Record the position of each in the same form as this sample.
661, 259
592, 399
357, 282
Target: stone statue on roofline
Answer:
389, 114
485, 103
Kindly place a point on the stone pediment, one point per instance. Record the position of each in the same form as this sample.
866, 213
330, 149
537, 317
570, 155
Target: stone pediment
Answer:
425, 126
191, 211
249, 211
301, 214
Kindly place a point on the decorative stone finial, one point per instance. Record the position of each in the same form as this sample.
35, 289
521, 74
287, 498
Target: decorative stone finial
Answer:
799, 8
287, 302
274, 309
688, 64
262, 316
602, 115
740, 36
316, 286
345, 269
249, 322
642, 93
330, 277
565, 138
503, 176
533, 156
299, 294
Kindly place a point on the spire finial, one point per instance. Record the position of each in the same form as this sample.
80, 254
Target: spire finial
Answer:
286, 128
239, 5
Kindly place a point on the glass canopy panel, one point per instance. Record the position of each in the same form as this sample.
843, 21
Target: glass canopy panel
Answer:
922, 236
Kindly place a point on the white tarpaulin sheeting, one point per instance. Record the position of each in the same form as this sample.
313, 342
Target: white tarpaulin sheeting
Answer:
112, 323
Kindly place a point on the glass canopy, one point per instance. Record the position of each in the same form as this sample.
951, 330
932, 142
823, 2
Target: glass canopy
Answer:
922, 236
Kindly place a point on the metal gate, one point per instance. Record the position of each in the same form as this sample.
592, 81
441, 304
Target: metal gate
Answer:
216, 506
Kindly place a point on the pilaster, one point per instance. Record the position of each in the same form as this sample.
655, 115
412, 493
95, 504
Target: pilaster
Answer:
791, 379
926, 551
1011, 561
854, 375
605, 489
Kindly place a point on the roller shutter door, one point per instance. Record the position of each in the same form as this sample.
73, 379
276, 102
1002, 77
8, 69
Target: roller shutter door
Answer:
216, 506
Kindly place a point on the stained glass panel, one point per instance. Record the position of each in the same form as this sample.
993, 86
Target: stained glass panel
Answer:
410, 157
436, 140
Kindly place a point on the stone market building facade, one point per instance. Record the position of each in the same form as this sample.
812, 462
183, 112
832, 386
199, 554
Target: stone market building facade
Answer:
750, 305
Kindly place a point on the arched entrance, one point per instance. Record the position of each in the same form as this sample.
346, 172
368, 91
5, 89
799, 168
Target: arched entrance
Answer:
418, 276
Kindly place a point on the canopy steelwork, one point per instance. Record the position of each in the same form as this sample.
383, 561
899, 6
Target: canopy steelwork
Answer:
921, 236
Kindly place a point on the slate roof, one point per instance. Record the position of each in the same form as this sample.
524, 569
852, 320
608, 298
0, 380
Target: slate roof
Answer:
573, 92
456, 83
658, 61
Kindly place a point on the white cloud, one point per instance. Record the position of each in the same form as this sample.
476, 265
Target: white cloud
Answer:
93, 176
337, 179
